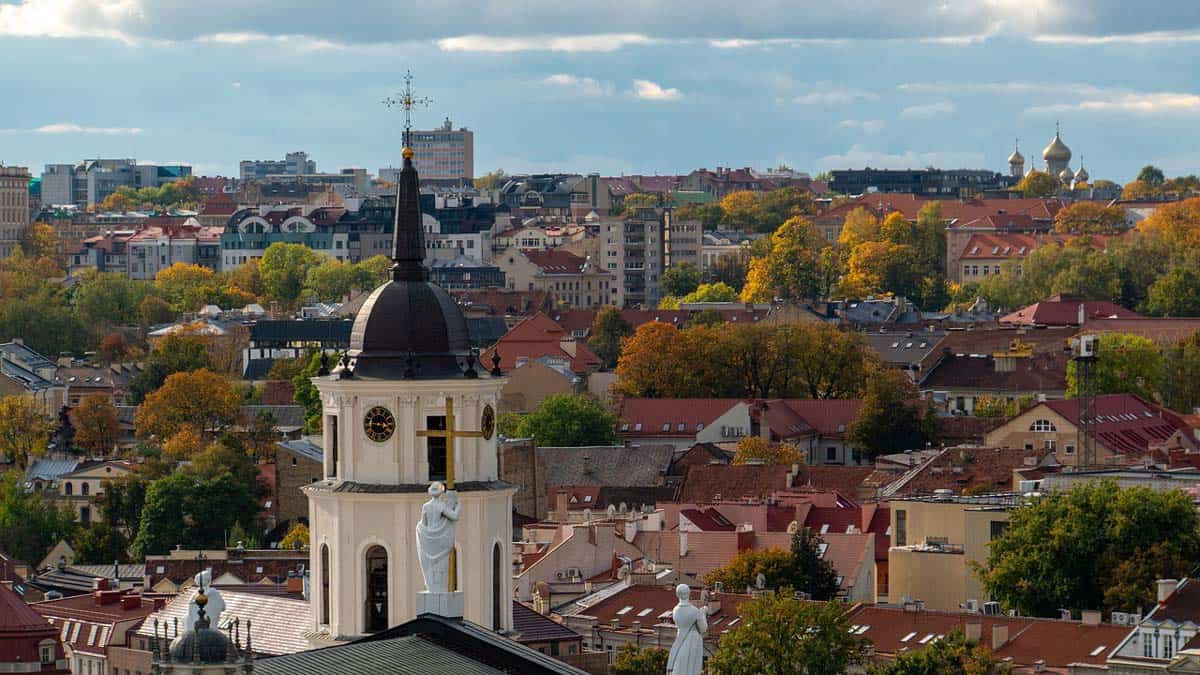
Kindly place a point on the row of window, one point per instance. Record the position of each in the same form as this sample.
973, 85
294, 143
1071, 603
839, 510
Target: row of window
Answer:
976, 270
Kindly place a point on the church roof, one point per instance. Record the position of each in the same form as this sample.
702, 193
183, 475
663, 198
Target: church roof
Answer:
1057, 150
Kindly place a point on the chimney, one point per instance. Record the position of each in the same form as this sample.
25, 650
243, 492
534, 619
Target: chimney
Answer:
1090, 617
683, 543
714, 604
587, 465
1165, 588
131, 601
1082, 314
295, 584
999, 636
560, 505
973, 632
567, 344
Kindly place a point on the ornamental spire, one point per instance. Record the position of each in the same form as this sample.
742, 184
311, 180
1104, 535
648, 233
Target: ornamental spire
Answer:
408, 237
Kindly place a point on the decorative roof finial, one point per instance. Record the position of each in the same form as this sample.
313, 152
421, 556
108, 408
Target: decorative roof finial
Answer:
408, 237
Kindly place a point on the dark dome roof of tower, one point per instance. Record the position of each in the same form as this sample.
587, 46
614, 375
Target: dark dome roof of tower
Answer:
409, 327
201, 645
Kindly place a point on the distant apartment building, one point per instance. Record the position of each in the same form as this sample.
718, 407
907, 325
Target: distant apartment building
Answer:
572, 281
14, 207
556, 197
640, 247
930, 182
292, 164
442, 156
250, 231
142, 250
91, 181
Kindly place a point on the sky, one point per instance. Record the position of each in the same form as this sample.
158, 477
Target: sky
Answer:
635, 86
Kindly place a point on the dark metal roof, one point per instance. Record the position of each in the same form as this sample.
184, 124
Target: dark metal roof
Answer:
304, 448
409, 655
328, 332
464, 486
533, 627
405, 321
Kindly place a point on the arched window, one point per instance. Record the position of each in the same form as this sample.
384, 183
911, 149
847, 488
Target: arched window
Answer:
377, 590
69, 489
1043, 425
325, 584
497, 588
84, 488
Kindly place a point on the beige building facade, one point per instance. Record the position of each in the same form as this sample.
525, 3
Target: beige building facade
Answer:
934, 544
14, 207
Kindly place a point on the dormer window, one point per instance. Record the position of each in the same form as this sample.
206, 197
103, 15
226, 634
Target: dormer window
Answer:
1043, 425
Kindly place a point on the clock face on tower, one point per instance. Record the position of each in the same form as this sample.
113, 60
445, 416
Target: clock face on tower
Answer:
379, 424
487, 424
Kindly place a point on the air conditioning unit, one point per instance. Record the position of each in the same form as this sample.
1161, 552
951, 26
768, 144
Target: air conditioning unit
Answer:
991, 608
1120, 618
971, 606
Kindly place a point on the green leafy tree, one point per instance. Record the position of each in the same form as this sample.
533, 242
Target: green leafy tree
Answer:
729, 269
154, 310
811, 572
779, 635
492, 180
802, 568
45, 323
994, 407
775, 564
30, 523
792, 267
608, 329
174, 354
1177, 293
681, 279
1094, 546
645, 661
100, 544
570, 420
284, 269
109, 299
122, 499
1181, 374
951, 654
716, 292
706, 317
892, 419
1124, 364
331, 280
25, 429
709, 215
1152, 175
639, 200
508, 423
307, 394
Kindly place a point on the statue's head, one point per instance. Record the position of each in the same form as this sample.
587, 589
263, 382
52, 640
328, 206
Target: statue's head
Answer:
683, 592
436, 489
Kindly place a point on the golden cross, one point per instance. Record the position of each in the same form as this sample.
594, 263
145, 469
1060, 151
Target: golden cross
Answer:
450, 433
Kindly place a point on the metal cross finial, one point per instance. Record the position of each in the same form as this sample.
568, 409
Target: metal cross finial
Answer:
406, 99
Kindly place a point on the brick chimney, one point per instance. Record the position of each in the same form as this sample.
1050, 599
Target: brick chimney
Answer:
999, 636
560, 505
973, 632
1165, 588
131, 601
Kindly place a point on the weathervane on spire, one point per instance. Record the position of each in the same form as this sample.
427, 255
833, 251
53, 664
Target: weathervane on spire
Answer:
406, 99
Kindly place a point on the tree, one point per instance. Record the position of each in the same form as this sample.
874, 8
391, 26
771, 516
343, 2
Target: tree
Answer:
492, 180
859, 226
1175, 294
757, 450
1178, 223
331, 280
639, 200
811, 572
882, 267
1038, 184
742, 211
951, 654
645, 661
1151, 175
296, 537
1072, 548
717, 292
173, 354
45, 323
372, 271
246, 278
1136, 190
100, 544
24, 430
1181, 374
30, 523
705, 317
284, 269
891, 419
779, 635
107, 299
681, 279
609, 328
993, 407
184, 444
1089, 218
775, 564
306, 394
40, 241
709, 215
1124, 364
569, 420
114, 347
200, 399
122, 499
153, 310
185, 286
729, 269
97, 428
792, 268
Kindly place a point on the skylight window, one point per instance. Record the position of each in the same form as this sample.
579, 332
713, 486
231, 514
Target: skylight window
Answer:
908, 637
822, 548
637, 427
666, 426
825, 528
862, 629
646, 611
625, 427
927, 638
1097, 650
680, 427
624, 610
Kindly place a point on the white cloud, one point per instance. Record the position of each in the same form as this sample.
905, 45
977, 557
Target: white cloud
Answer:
866, 126
652, 91
928, 110
70, 128
237, 85
744, 43
607, 42
834, 97
1157, 37
858, 156
1145, 103
1013, 88
582, 86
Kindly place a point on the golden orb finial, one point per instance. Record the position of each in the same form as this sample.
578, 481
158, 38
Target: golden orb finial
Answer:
408, 153
201, 599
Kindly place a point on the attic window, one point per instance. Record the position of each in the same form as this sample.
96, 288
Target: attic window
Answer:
681, 426
995, 250
922, 345
895, 344
927, 638
587, 499
625, 426
699, 426
666, 426
637, 427
821, 548
624, 610
825, 528
1043, 425
1021, 251
1097, 650
908, 637
908, 345
646, 611
975, 251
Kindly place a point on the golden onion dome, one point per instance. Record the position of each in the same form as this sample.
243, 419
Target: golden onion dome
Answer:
1057, 150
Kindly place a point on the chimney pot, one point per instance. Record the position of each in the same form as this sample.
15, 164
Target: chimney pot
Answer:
999, 636
1165, 588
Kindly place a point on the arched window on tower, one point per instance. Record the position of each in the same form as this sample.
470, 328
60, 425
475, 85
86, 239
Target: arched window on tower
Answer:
497, 587
325, 584
377, 590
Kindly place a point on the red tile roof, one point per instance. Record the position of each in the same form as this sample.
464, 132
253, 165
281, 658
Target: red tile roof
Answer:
1042, 373
1161, 331
1064, 311
967, 469
710, 482
959, 212
16, 616
555, 261
829, 418
500, 301
842, 479
709, 520
679, 417
538, 336
660, 600
1124, 423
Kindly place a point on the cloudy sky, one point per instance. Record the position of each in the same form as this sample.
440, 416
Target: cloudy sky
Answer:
634, 86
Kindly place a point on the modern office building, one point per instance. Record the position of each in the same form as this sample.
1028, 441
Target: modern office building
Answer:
445, 155
292, 164
91, 181
14, 207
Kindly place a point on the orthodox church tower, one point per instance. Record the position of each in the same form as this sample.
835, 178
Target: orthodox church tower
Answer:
408, 405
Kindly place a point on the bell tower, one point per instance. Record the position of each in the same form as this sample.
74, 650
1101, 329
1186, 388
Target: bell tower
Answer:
409, 404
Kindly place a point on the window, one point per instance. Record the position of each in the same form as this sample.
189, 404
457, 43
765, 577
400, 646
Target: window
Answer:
1070, 449
996, 528
333, 444
1043, 425
901, 527
831, 454
1051, 444
69, 489
1168, 646
435, 447
84, 488
47, 653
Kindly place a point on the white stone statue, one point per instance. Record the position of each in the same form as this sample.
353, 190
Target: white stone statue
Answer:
215, 606
435, 537
691, 623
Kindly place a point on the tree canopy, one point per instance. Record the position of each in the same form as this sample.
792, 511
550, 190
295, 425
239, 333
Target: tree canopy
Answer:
892, 418
30, 523
25, 429
569, 420
950, 654
779, 635
609, 328
1124, 364
801, 568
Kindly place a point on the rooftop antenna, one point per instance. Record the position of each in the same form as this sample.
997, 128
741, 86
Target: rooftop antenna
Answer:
406, 99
